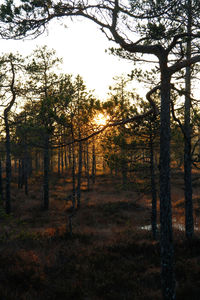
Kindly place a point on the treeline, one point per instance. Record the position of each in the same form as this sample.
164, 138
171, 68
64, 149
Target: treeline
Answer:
49, 125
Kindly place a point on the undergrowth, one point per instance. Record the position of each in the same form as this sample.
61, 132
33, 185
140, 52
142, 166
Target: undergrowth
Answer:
108, 256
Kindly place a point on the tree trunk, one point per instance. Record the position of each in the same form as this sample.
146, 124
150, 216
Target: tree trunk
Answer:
62, 160
1, 183
59, 161
26, 174
8, 166
166, 234
73, 178
70, 156
87, 166
79, 174
19, 173
65, 158
46, 172
153, 187
189, 222
93, 162
36, 161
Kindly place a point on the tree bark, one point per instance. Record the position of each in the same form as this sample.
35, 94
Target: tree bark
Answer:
166, 234
79, 174
87, 165
58, 161
73, 178
189, 222
93, 162
1, 183
153, 187
8, 166
46, 172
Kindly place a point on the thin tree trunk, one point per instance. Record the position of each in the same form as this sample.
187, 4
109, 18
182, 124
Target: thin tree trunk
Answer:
65, 158
36, 162
79, 174
70, 156
7, 130
73, 178
153, 188
22, 174
26, 175
62, 160
87, 166
46, 172
59, 161
8, 166
19, 174
189, 222
93, 162
1, 183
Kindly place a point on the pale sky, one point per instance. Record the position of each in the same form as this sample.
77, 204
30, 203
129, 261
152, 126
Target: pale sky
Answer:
82, 46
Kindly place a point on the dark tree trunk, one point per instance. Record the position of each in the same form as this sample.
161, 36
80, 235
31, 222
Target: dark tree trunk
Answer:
153, 188
189, 222
65, 158
8, 166
166, 234
62, 160
1, 183
73, 178
22, 174
79, 175
59, 161
46, 172
26, 175
8, 150
19, 173
70, 156
37, 161
93, 162
26, 167
87, 166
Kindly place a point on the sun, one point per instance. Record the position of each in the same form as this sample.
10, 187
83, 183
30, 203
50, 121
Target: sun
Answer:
100, 119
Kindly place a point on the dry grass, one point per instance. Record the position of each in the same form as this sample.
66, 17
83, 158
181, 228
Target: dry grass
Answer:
108, 257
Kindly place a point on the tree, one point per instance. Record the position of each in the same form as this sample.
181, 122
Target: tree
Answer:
119, 107
10, 66
42, 82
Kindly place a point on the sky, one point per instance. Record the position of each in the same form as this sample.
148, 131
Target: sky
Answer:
82, 46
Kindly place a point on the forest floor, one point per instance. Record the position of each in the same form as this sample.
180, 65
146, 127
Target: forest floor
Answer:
111, 254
